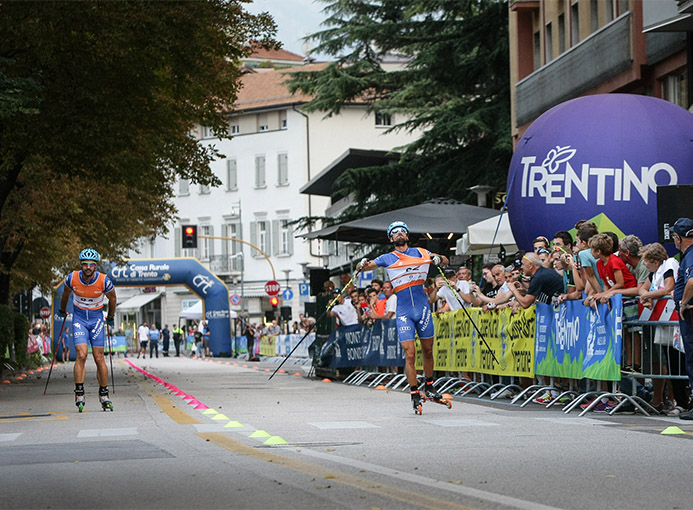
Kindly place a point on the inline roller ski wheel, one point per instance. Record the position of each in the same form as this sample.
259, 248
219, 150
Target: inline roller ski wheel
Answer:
79, 402
106, 404
416, 402
442, 401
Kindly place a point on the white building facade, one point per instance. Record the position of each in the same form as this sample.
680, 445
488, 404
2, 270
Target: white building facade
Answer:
276, 148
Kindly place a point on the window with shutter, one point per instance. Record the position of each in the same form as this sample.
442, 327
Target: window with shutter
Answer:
231, 175
282, 169
260, 171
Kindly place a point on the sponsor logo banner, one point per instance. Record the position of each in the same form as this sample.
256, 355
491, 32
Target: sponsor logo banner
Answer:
576, 341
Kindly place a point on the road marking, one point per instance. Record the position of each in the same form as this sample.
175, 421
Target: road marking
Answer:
336, 425
462, 422
395, 493
430, 482
9, 437
577, 421
126, 431
215, 427
176, 414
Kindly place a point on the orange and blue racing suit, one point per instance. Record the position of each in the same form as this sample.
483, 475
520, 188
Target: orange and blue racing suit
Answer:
407, 271
87, 301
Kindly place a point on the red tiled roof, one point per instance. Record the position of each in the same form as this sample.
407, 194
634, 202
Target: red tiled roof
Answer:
262, 53
267, 89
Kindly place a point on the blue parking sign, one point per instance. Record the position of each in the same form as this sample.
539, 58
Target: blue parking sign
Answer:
303, 289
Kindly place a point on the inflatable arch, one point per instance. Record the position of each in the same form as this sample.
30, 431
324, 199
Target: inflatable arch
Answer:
179, 271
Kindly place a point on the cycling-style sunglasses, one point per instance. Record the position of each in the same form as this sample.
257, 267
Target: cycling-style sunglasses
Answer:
398, 230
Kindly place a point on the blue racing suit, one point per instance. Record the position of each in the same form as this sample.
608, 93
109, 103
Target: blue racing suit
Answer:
407, 271
87, 300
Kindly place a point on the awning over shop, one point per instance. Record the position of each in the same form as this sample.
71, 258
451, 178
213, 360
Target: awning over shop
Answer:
136, 302
436, 218
322, 184
486, 235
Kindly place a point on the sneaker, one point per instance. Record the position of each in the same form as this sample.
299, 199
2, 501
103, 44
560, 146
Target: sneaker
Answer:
676, 411
502, 394
547, 397
587, 404
602, 407
688, 415
605, 405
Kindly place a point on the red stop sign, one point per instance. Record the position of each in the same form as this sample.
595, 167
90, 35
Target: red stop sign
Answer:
45, 312
272, 288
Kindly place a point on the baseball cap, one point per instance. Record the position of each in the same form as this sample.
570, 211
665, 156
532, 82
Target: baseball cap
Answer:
682, 227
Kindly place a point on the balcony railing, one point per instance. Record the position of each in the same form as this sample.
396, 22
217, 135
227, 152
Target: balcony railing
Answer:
225, 264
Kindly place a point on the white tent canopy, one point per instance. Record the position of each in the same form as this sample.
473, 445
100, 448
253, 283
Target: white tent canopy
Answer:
195, 312
479, 236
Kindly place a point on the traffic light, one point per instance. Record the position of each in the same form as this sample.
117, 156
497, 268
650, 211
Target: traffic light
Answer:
189, 236
274, 301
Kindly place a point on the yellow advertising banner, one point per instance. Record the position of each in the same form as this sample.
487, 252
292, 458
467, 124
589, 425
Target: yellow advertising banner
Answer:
509, 338
267, 346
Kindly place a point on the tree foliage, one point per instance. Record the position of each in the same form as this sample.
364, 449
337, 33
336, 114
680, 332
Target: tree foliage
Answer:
453, 88
97, 104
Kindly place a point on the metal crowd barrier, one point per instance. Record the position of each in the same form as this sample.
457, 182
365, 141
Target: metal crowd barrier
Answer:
657, 361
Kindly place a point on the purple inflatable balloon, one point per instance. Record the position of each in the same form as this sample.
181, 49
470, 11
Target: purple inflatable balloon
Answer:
598, 154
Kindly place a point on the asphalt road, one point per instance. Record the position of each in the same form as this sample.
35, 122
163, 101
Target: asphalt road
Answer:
295, 442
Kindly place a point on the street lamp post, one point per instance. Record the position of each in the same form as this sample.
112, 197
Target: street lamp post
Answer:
287, 272
235, 255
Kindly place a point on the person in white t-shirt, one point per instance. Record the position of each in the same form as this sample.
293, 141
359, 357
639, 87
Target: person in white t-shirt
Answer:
143, 336
345, 311
452, 302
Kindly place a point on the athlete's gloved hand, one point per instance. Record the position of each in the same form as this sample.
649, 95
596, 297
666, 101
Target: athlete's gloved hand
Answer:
363, 262
109, 321
436, 260
62, 314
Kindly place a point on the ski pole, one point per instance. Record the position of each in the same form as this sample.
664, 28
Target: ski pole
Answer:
55, 351
457, 296
310, 328
110, 354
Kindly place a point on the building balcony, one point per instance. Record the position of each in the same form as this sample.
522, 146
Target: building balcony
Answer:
603, 55
225, 264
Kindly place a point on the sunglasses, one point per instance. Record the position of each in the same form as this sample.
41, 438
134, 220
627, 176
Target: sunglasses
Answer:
88, 264
542, 250
398, 230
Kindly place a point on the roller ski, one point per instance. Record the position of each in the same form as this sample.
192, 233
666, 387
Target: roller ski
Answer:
416, 402
106, 404
431, 395
79, 400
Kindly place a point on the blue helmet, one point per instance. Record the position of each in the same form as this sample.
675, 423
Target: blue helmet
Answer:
89, 254
396, 224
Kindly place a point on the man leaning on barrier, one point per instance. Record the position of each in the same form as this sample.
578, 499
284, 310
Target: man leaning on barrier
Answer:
544, 285
682, 234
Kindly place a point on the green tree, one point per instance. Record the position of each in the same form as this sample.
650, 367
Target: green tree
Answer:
97, 104
453, 87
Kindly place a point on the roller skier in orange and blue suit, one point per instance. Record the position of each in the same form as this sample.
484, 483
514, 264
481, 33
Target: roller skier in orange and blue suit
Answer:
89, 288
407, 270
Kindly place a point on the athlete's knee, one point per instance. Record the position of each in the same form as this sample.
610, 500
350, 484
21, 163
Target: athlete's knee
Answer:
427, 346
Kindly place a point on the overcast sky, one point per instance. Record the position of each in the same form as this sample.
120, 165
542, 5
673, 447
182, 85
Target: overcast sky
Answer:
295, 19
